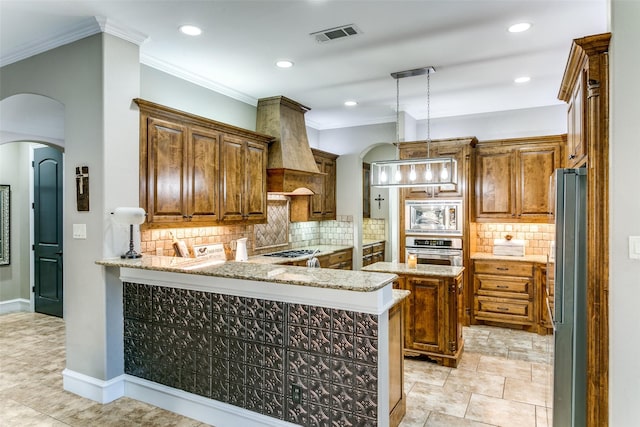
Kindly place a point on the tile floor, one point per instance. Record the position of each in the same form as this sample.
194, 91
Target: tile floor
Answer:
501, 381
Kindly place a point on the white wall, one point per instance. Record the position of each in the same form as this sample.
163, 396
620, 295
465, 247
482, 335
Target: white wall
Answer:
14, 171
624, 296
162, 88
72, 74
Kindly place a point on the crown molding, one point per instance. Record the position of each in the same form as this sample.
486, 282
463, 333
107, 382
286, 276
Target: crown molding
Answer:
196, 79
85, 28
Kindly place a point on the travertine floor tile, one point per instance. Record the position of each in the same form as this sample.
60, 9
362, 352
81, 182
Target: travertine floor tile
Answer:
501, 412
506, 368
437, 399
437, 419
525, 391
475, 382
500, 370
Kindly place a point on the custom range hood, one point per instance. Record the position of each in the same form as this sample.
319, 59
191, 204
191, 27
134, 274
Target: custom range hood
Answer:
291, 169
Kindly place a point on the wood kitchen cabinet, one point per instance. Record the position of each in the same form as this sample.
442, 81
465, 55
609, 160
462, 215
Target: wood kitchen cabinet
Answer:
458, 149
338, 260
244, 185
512, 178
576, 133
433, 326
323, 205
504, 293
372, 253
196, 172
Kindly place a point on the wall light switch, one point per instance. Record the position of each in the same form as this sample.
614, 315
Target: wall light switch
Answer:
634, 247
79, 231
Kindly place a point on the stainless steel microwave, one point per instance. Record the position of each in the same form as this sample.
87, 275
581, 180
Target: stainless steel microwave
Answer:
433, 217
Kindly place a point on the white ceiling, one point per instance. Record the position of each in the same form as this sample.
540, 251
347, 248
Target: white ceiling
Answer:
476, 59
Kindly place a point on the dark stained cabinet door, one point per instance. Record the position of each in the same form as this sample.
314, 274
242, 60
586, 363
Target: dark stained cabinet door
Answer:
536, 165
203, 167
495, 183
232, 178
576, 134
255, 193
323, 205
167, 178
244, 180
425, 315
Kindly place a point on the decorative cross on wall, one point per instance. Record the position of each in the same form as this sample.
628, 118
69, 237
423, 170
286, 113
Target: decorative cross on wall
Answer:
379, 199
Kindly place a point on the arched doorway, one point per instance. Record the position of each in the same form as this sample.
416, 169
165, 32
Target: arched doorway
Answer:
29, 122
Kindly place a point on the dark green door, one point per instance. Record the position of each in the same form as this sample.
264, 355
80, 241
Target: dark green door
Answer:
48, 231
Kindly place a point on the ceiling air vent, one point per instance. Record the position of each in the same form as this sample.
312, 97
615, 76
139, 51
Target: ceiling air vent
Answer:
336, 33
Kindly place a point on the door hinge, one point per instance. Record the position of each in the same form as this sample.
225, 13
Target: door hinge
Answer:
452, 346
33, 247
33, 289
33, 164
33, 205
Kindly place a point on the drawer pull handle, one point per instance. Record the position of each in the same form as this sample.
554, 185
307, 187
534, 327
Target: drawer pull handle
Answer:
502, 308
502, 286
502, 268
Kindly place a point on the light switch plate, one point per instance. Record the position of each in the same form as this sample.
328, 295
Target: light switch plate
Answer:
79, 231
634, 247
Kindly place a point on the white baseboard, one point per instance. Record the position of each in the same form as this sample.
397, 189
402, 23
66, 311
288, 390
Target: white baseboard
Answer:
190, 405
92, 388
15, 305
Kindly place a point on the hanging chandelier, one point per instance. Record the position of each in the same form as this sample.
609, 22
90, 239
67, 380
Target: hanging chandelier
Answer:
423, 172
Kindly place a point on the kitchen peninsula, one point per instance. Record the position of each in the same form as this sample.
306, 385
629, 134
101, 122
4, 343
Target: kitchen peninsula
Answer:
432, 311
258, 344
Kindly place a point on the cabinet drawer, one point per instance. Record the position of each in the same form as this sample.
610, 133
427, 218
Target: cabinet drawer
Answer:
504, 286
504, 268
367, 250
339, 257
378, 247
504, 310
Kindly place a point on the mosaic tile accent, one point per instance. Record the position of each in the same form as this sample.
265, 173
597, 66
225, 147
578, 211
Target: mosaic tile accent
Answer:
276, 230
537, 237
250, 353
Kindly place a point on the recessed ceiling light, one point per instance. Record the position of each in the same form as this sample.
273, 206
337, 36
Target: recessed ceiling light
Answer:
284, 63
523, 79
519, 27
350, 103
190, 30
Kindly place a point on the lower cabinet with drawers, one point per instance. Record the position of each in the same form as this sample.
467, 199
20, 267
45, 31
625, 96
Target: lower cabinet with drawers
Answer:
372, 253
509, 294
339, 260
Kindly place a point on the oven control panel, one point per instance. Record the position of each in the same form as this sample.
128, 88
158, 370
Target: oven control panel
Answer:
425, 242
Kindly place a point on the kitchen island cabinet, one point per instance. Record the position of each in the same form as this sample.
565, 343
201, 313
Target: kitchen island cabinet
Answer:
433, 310
258, 343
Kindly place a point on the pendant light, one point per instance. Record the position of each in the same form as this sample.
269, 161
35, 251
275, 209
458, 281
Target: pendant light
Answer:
414, 172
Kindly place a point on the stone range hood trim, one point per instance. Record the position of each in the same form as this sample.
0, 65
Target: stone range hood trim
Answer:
291, 167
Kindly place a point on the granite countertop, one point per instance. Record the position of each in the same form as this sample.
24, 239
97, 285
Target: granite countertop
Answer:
359, 281
399, 295
542, 259
420, 270
372, 241
322, 250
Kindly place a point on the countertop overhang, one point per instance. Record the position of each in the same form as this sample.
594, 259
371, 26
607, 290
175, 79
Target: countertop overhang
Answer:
420, 270
369, 292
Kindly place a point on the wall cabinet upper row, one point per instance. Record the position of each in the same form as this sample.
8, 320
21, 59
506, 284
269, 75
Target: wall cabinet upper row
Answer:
195, 171
513, 178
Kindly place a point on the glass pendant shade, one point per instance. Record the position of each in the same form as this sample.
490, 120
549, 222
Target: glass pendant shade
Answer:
430, 172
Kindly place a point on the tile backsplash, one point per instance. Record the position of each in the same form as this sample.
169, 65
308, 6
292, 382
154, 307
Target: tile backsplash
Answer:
537, 237
373, 229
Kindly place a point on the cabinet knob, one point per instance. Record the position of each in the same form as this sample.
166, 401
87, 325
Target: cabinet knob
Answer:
185, 216
572, 156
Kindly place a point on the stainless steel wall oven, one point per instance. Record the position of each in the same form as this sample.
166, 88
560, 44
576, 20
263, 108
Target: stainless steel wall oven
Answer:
435, 250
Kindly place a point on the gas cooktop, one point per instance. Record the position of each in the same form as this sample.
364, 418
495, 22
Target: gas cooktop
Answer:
291, 253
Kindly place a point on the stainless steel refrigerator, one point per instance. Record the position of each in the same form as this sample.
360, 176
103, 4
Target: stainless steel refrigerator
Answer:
570, 317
